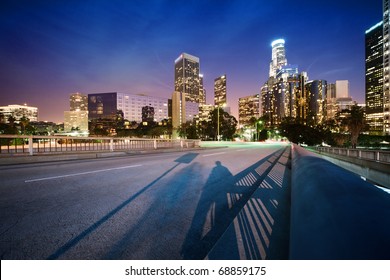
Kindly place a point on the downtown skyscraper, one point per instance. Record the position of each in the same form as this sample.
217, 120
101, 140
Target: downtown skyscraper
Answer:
386, 67
377, 57
278, 57
220, 91
374, 78
187, 78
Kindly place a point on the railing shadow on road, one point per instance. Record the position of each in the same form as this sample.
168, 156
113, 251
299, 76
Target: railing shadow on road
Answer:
261, 228
185, 159
181, 211
223, 198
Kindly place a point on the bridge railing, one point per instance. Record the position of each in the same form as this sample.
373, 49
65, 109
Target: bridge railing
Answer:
375, 155
33, 144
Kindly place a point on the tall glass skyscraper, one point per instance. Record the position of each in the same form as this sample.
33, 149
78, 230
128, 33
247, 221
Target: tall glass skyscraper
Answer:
187, 79
278, 57
386, 67
374, 78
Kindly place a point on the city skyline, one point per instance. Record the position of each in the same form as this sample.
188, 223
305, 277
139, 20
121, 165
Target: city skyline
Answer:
51, 50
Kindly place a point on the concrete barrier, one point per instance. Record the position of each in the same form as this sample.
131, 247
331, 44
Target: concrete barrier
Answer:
334, 213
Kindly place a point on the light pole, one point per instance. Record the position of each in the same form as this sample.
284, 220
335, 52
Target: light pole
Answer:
257, 130
223, 105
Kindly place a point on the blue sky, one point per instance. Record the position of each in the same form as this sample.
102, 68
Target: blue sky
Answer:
50, 49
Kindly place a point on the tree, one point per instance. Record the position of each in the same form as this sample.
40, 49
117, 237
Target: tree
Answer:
188, 130
227, 124
11, 120
354, 120
299, 133
24, 122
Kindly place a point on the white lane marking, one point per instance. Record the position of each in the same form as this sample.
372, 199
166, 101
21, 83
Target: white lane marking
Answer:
213, 154
81, 173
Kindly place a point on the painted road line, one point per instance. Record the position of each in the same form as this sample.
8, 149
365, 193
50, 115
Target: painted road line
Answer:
81, 173
209, 155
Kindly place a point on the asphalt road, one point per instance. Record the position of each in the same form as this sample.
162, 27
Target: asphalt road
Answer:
157, 206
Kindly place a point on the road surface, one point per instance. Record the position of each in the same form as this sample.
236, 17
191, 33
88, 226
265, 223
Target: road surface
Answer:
157, 206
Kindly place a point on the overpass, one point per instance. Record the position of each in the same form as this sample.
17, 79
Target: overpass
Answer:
236, 201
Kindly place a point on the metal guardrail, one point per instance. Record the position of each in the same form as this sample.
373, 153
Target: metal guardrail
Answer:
375, 155
33, 144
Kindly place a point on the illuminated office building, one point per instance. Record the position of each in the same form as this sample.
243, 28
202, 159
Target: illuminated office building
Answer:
374, 78
316, 101
187, 78
76, 120
202, 91
248, 107
78, 102
386, 67
107, 106
220, 91
278, 57
18, 112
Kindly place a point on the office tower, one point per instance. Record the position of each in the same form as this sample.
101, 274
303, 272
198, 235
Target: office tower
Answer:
278, 57
204, 112
331, 106
106, 108
248, 107
102, 105
301, 98
316, 101
202, 91
78, 102
18, 112
76, 120
374, 78
342, 89
131, 105
220, 91
187, 79
178, 111
386, 67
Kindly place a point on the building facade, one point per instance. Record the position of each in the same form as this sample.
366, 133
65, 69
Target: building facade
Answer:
374, 78
78, 102
220, 91
386, 67
278, 57
316, 101
131, 105
18, 112
187, 78
76, 120
202, 91
178, 111
248, 108
107, 105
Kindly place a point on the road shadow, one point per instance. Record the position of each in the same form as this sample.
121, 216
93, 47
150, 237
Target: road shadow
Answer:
261, 229
222, 198
184, 159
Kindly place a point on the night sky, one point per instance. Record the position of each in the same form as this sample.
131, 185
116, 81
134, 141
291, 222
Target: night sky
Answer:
50, 49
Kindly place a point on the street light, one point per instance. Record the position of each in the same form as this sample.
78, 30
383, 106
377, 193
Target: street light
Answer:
257, 130
223, 105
